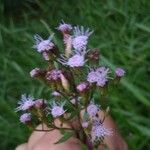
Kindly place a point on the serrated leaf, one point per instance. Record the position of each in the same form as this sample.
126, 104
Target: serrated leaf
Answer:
65, 137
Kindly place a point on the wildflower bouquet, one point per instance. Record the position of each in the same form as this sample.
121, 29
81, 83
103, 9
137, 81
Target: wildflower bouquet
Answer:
75, 77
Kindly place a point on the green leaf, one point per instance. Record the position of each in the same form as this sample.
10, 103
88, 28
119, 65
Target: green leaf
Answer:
65, 137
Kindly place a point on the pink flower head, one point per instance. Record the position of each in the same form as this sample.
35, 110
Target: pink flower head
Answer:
92, 77
98, 76
99, 132
120, 72
76, 61
25, 118
92, 109
82, 87
25, 103
80, 38
64, 28
53, 75
39, 103
43, 45
56, 94
35, 72
57, 110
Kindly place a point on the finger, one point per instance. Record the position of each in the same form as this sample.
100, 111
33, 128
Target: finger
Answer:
22, 147
116, 141
36, 136
48, 140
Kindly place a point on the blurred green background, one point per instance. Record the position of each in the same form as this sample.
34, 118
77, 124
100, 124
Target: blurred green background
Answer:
122, 32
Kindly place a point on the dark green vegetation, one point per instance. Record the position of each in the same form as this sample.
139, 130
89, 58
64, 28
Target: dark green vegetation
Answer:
122, 31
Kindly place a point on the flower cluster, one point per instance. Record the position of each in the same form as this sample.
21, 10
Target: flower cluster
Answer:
73, 77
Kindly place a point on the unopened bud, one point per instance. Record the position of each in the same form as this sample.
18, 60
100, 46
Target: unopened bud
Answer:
83, 87
65, 83
68, 42
94, 55
39, 103
35, 72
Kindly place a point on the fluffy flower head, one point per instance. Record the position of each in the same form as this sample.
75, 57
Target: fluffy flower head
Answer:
57, 110
92, 109
53, 75
120, 72
25, 103
43, 45
64, 27
98, 76
25, 118
80, 38
99, 132
76, 61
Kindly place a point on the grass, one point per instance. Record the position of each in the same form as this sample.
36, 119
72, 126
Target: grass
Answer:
122, 30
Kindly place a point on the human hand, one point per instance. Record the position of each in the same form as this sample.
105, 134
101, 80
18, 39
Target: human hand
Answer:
45, 140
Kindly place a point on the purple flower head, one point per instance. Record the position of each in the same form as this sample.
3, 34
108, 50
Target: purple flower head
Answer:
25, 103
92, 77
43, 45
83, 86
25, 118
80, 38
56, 94
53, 75
119, 72
99, 132
35, 72
92, 109
76, 60
64, 28
57, 110
98, 76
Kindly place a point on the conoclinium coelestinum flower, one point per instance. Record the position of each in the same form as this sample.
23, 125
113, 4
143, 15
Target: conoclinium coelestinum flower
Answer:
25, 103
119, 72
25, 118
43, 45
98, 76
76, 60
80, 38
92, 109
64, 27
57, 110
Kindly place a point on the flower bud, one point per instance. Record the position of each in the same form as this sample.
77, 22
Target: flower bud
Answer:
56, 94
35, 73
85, 124
39, 103
83, 87
119, 72
68, 42
65, 83
94, 55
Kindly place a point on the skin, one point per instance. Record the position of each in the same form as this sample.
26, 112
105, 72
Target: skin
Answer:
45, 140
